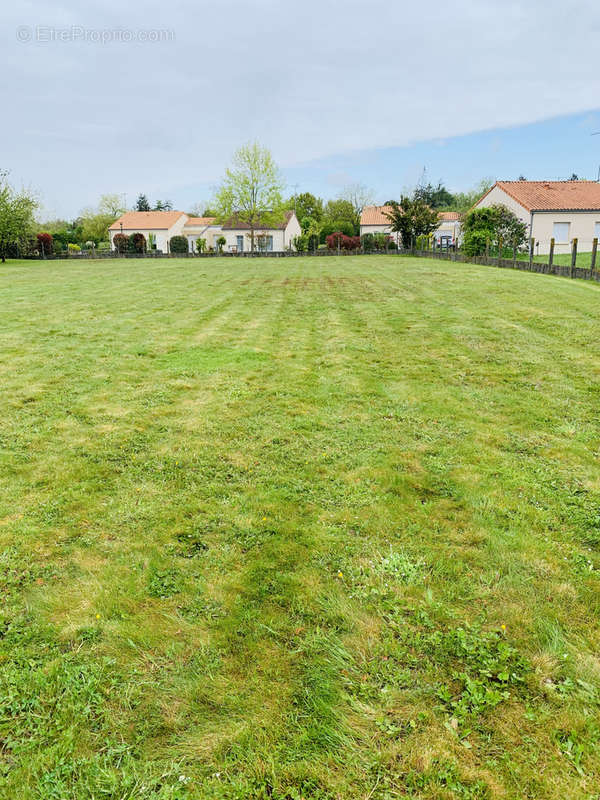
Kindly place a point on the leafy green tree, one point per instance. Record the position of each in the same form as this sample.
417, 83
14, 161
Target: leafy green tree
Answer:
200, 245
307, 206
221, 242
491, 226
16, 216
163, 205
339, 215
111, 205
463, 201
142, 203
251, 190
434, 196
412, 217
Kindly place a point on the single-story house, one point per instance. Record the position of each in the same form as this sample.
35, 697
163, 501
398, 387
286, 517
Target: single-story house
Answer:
374, 220
159, 227
562, 210
206, 228
448, 232
268, 238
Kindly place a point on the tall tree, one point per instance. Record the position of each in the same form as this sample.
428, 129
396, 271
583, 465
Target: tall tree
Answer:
163, 205
142, 203
358, 196
16, 215
412, 217
306, 205
251, 190
112, 204
434, 196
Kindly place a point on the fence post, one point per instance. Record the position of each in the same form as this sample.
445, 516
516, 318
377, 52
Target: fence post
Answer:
487, 251
514, 254
531, 246
551, 255
573, 257
499, 249
594, 252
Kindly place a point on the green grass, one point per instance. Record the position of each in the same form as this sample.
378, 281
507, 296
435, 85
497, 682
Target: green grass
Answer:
298, 528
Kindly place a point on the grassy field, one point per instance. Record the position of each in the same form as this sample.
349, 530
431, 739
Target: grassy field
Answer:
309, 528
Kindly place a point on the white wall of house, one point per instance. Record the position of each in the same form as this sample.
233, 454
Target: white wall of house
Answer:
209, 232
498, 196
162, 235
448, 228
282, 239
565, 226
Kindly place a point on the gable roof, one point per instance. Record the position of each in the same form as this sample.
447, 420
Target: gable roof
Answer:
234, 223
375, 215
553, 195
146, 220
198, 221
449, 216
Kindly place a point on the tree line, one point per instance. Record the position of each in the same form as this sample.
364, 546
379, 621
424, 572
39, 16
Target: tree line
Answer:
252, 190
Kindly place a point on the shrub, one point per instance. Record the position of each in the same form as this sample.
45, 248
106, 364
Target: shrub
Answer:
368, 242
336, 227
381, 241
45, 243
221, 241
339, 239
120, 242
300, 243
200, 245
73, 248
103, 245
178, 244
136, 243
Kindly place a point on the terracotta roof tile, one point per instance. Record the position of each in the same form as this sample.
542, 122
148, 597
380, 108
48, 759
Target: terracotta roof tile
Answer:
554, 195
146, 220
375, 215
449, 216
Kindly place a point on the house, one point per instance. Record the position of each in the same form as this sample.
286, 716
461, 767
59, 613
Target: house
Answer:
158, 227
280, 237
559, 210
374, 220
206, 228
447, 234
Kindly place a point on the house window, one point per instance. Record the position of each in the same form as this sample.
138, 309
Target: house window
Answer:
561, 232
265, 243
240, 243
597, 230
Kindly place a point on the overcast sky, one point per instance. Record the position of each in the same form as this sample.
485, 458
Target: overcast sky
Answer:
311, 80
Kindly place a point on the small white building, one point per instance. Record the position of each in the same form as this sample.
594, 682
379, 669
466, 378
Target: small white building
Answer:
158, 227
267, 238
373, 219
562, 210
448, 232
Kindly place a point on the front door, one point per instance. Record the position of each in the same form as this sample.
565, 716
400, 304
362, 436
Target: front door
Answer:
240, 243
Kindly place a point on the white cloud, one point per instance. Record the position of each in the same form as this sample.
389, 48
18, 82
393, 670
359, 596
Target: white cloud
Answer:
307, 79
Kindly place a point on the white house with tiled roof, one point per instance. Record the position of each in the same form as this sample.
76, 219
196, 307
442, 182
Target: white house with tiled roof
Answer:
374, 219
158, 227
562, 210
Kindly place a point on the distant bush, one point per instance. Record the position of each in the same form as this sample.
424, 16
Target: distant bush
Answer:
336, 227
368, 242
340, 240
136, 243
45, 243
120, 242
73, 248
178, 244
221, 242
103, 245
200, 245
